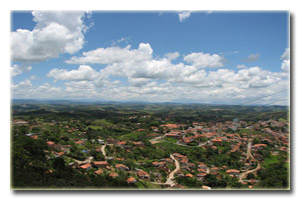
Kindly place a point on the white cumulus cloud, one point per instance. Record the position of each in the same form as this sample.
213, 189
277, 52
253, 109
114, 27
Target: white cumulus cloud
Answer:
205, 60
285, 65
114, 55
56, 32
17, 69
84, 72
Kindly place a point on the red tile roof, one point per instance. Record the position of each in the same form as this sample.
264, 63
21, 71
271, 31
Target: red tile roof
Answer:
100, 171
122, 142
34, 137
206, 187
113, 174
217, 140
60, 153
143, 174
131, 180
85, 166
201, 174
121, 166
229, 171
187, 139
259, 145
170, 126
50, 143
100, 163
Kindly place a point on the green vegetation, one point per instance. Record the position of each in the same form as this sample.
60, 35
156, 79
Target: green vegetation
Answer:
274, 173
57, 140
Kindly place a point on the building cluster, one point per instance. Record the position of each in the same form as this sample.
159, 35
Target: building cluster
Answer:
272, 135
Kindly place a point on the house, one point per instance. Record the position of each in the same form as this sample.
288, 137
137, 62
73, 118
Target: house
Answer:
143, 174
122, 167
283, 149
100, 141
186, 140
131, 180
158, 164
122, 143
167, 160
233, 172
100, 163
178, 155
206, 187
111, 141
184, 160
189, 175
86, 166
217, 140
170, 126
201, 165
259, 146
138, 144
154, 128
59, 154
200, 176
34, 137
201, 170
214, 170
99, 171
113, 174
173, 135
50, 143
236, 147
81, 143
191, 165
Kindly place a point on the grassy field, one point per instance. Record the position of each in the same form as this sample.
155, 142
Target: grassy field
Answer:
102, 122
133, 136
95, 127
270, 161
252, 132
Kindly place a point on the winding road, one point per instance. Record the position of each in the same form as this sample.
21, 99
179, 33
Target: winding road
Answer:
103, 150
249, 155
170, 179
156, 140
88, 160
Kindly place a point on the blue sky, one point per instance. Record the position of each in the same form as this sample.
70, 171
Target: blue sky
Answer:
203, 57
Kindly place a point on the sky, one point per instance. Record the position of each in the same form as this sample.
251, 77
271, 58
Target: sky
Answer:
184, 56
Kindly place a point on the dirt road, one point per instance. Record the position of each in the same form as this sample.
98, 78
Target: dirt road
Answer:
249, 155
103, 150
157, 139
170, 178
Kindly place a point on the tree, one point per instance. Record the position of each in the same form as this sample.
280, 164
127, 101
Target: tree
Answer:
97, 155
250, 176
212, 181
29, 161
274, 176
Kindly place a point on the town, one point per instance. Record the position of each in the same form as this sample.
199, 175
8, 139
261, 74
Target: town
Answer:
150, 150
